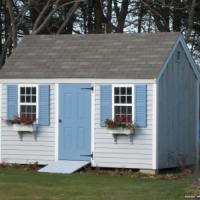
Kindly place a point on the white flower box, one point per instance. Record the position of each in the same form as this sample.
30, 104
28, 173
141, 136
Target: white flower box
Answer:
120, 131
25, 128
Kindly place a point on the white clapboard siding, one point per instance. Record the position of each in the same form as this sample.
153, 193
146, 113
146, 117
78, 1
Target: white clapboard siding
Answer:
28, 149
121, 165
124, 154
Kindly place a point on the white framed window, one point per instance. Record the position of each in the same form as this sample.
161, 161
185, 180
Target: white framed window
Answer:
28, 101
123, 101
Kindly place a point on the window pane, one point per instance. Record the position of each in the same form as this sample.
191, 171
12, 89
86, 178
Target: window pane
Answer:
129, 110
117, 118
23, 109
34, 99
22, 99
116, 91
129, 99
129, 119
123, 99
129, 91
28, 99
28, 90
123, 118
116, 99
33, 90
123, 90
22, 90
34, 117
34, 109
123, 109
117, 109
28, 109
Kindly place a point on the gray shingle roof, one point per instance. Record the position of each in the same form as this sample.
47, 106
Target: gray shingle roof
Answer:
124, 56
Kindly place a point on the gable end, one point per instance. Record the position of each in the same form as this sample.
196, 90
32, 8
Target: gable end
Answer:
184, 46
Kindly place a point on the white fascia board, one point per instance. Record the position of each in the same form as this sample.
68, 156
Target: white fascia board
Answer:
75, 80
189, 57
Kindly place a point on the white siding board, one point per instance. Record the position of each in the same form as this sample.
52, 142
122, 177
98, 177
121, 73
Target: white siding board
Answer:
124, 154
124, 140
28, 152
123, 160
44, 144
29, 149
122, 165
123, 146
135, 151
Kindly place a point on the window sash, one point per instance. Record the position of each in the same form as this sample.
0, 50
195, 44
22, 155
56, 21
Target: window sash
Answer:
28, 103
123, 104
28, 111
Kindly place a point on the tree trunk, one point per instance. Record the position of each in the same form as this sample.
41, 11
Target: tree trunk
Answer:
140, 16
122, 16
177, 14
109, 17
190, 20
1, 28
69, 15
98, 17
9, 6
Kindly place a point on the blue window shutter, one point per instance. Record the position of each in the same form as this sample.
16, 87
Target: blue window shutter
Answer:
141, 106
12, 101
44, 105
106, 103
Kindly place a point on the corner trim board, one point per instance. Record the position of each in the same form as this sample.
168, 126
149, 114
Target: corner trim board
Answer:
197, 128
0, 122
154, 134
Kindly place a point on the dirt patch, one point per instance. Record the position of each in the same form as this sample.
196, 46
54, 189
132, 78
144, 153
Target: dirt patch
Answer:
171, 174
27, 167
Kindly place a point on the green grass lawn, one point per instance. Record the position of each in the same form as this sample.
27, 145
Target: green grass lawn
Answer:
17, 184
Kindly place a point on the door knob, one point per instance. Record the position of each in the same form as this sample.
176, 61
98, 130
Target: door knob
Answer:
60, 120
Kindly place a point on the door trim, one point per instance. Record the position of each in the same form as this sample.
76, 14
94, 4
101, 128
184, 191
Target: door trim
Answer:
56, 99
92, 121
56, 114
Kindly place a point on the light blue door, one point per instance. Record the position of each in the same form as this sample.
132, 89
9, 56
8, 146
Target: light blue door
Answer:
74, 121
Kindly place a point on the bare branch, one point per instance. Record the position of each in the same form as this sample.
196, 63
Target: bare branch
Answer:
69, 15
2, 57
56, 7
13, 22
41, 15
190, 20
